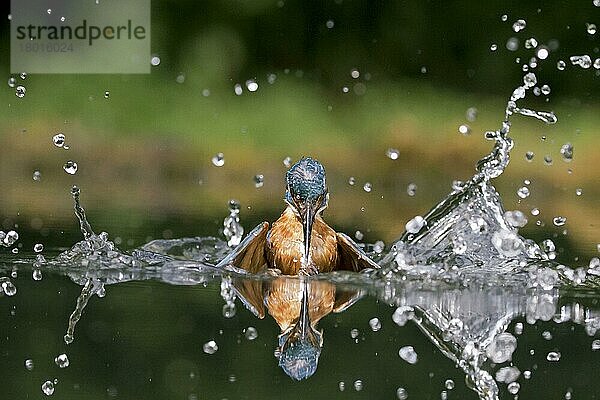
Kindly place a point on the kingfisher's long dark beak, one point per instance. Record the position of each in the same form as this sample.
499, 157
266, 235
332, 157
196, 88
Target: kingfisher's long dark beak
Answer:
308, 213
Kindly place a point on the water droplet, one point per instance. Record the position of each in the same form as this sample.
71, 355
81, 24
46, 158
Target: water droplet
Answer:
559, 220
251, 333
70, 167
58, 140
530, 79
218, 160
106, 94
578, 191
232, 229
449, 384
392, 153
342, 386
542, 53
251, 85
596, 3
20, 91
553, 356
591, 28
504, 18
401, 393
359, 235
493, 47
378, 247
237, 89
271, 78
464, 129
287, 162
547, 159
12, 82
408, 354
38, 247
9, 238
206, 92
68, 338
545, 89
354, 73
566, 152
411, 189
29, 364
8, 288
502, 348
560, 65
513, 387
48, 388
529, 155
367, 187
507, 374
375, 324
531, 43
49, 11
518, 328
210, 347
415, 224
352, 181
358, 385
583, 61
597, 63
519, 25
546, 335
62, 361
596, 345
259, 180
154, 61
354, 333
515, 218
330, 24
523, 192
402, 315
36, 275
507, 243
37, 175
229, 310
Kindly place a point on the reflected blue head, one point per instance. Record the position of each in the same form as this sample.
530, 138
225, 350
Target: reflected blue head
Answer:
299, 360
305, 181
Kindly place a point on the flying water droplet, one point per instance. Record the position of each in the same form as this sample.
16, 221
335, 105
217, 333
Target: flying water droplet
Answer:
358, 385
37, 175
352, 181
515, 218
513, 387
415, 224
547, 159
359, 235
330, 24
12, 82
251, 333
392, 154
561, 65
218, 160
7, 287
471, 114
155, 61
529, 156
251, 85
507, 374
501, 348
48, 388
408, 354
106, 94
401, 393
519, 25
493, 47
38, 247
583, 61
29, 364
62, 361
375, 324
464, 129
530, 80
531, 43
259, 180
58, 140
402, 315
232, 229
367, 187
237, 89
523, 192
411, 189
591, 28
566, 152
449, 384
553, 356
210, 347
559, 220
20, 91
512, 44
542, 53
70, 167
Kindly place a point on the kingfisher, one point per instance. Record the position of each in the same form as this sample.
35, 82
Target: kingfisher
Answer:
298, 245
300, 242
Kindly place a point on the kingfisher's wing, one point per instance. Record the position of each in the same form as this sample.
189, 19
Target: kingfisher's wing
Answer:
250, 254
345, 298
351, 257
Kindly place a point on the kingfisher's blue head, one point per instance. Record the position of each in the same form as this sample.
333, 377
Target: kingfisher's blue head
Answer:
307, 194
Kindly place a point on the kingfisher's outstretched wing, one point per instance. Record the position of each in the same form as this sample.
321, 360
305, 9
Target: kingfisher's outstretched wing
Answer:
351, 257
250, 254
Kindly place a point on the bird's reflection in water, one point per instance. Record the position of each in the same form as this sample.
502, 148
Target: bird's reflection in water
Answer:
297, 304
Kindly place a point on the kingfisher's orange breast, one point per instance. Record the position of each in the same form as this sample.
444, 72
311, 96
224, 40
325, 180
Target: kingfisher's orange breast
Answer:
285, 247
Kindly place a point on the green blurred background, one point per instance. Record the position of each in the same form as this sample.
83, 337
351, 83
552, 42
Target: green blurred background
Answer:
144, 153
